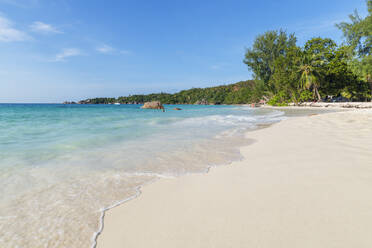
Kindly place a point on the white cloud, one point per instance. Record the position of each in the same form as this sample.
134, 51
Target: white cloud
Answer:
8, 33
44, 28
218, 66
105, 49
125, 52
21, 3
67, 52
317, 26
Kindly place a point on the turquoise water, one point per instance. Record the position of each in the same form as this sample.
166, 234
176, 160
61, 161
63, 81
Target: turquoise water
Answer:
62, 165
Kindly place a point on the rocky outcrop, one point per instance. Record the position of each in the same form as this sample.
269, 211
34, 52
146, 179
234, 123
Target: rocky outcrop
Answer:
84, 101
201, 102
153, 105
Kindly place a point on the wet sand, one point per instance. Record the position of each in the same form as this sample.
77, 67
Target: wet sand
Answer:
304, 182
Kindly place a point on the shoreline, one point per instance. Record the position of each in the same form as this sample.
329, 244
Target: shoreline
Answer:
110, 173
115, 228
338, 105
138, 190
103, 213
320, 105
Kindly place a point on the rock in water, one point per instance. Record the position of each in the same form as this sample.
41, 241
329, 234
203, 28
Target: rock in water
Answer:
153, 105
201, 102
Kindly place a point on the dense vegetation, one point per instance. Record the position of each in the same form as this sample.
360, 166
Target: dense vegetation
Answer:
319, 70
284, 72
241, 92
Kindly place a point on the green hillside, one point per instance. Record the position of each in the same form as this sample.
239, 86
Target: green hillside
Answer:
237, 93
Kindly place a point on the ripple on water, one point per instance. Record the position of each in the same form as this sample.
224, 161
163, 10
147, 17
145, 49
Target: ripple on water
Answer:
56, 190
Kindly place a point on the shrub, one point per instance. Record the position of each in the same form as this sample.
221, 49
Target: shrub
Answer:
279, 99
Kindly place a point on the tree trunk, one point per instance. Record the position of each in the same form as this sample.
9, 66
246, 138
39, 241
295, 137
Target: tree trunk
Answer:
294, 98
317, 94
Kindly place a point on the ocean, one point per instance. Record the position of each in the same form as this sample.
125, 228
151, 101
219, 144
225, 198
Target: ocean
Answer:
62, 166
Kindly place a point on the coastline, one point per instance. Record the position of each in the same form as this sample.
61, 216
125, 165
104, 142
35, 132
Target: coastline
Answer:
335, 105
188, 211
103, 176
138, 190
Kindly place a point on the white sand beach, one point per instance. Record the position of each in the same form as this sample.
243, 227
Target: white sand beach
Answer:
304, 182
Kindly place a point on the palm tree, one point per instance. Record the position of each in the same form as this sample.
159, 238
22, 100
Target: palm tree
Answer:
310, 78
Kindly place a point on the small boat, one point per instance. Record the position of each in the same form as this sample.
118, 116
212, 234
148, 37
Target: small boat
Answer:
116, 103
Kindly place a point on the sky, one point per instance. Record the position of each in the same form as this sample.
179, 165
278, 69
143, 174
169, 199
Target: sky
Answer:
53, 51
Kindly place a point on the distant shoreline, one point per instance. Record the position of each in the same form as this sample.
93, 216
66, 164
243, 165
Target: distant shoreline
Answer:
358, 105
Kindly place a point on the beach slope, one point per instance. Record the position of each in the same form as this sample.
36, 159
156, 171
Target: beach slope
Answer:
304, 182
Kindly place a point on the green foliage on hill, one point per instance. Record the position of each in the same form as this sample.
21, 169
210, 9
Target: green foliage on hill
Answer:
238, 93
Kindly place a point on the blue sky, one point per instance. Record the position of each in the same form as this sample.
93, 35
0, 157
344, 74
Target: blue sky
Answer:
53, 51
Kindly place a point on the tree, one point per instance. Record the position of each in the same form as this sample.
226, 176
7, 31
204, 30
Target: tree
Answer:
310, 78
321, 50
358, 34
317, 55
266, 49
338, 74
285, 77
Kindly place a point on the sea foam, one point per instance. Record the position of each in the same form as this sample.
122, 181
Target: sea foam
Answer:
62, 167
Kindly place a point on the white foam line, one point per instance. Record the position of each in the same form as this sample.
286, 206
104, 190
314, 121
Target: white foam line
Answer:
138, 191
103, 212
148, 174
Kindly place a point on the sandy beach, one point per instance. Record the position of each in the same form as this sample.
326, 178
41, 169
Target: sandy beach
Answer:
304, 182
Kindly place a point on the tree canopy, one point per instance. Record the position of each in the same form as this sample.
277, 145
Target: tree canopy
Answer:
237, 93
358, 34
318, 70
266, 49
